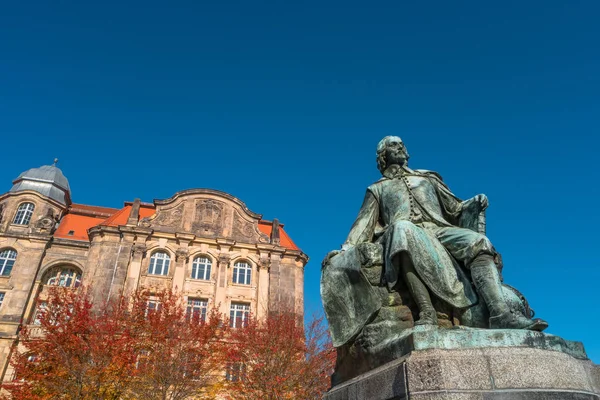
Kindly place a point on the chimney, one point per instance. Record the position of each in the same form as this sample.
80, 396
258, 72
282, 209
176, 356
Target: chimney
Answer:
275, 232
135, 213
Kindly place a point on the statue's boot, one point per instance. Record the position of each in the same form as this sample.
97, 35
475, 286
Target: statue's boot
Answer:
486, 280
420, 294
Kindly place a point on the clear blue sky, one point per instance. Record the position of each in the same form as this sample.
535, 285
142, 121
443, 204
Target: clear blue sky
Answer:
282, 105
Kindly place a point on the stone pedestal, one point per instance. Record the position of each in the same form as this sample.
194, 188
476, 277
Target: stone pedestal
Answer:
458, 365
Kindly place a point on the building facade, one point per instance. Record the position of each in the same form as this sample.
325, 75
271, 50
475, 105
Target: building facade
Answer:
203, 242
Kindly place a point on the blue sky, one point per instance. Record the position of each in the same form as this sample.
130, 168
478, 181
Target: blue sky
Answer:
282, 105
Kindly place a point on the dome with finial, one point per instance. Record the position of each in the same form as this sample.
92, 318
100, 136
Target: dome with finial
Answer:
47, 180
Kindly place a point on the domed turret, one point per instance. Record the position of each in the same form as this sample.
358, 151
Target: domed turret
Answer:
47, 180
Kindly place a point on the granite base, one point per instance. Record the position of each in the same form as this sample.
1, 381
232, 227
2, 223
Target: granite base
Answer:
367, 356
436, 368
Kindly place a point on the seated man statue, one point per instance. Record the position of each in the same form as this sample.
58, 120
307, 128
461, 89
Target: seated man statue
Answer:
417, 220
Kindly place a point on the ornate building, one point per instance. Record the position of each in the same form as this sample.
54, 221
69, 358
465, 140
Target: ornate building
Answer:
204, 242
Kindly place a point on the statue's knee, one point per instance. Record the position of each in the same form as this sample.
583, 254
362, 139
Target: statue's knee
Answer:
483, 244
404, 225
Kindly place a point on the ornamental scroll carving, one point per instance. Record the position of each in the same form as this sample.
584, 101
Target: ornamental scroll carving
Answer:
46, 224
247, 231
171, 218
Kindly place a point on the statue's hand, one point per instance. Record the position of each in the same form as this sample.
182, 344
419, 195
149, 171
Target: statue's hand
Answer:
329, 256
482, 200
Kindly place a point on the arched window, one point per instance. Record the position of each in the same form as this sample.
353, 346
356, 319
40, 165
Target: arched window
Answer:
201, 268
63, 277
242, 273
24, 213
7, 260
159, 263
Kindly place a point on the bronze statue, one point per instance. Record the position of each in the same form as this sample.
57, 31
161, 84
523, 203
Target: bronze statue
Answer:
430, 246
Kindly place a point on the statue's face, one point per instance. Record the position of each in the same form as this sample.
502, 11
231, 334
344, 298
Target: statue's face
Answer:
395, 152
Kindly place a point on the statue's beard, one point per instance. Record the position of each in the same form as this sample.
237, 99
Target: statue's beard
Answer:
402, 161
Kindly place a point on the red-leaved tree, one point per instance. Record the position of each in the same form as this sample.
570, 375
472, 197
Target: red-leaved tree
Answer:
151, 346
75, 352
142, 347
278, 358
181, 352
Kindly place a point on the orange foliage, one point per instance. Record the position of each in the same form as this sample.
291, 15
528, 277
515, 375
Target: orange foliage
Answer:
278, 358
82, 354
120, 351
127, 351
181, 355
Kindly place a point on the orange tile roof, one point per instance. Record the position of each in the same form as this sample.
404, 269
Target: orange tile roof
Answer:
79, 224
82, 217
284, 240
120, 217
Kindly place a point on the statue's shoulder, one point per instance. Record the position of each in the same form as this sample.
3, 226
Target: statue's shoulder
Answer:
378, 182
429, 173
375, 188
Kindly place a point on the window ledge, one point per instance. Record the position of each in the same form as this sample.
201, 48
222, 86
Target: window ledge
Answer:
242, 285
200, 280
157, 276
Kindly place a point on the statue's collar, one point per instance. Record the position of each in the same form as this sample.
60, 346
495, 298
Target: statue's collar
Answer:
396, 171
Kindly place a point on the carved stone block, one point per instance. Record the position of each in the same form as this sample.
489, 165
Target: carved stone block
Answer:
208, 217
523, 372
169, 219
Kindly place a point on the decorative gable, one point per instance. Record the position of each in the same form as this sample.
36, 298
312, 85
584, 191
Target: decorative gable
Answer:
206, 213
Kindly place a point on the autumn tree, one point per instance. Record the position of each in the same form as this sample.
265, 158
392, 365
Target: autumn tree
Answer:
142, 347
278, 358
181, 348
76, 351
156, 346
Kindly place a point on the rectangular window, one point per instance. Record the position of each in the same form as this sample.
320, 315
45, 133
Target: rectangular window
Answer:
238, 314
37, 318
196, 310
7, 261
2, 294
152, 306
235, 372
142, 359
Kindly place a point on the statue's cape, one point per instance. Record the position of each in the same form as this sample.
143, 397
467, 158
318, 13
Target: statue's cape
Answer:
348, 298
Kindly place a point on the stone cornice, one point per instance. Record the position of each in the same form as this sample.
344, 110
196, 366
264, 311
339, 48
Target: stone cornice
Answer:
71, 243
102, 230
300, 256
135, 230
32, 237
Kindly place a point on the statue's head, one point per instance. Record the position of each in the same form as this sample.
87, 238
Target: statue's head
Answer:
391, 150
